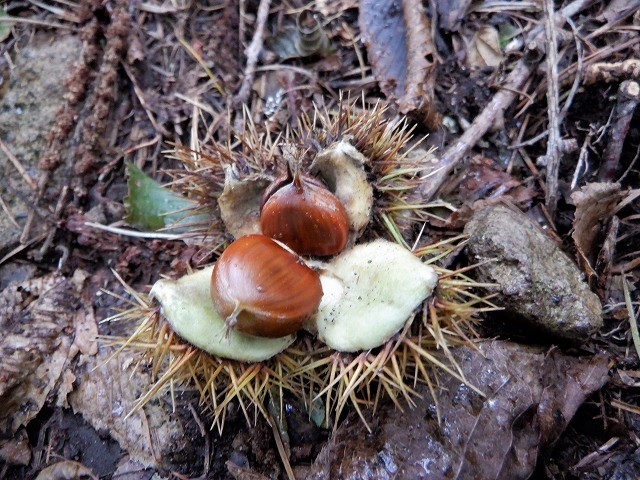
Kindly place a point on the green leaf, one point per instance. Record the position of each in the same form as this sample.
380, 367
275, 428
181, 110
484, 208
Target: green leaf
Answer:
150, 206
5, 27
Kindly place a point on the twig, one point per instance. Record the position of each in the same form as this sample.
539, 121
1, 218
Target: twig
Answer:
632, 315
62, 200
553, 141
16, 163
207, 440
583, 162
610, 72
628, 98
133, 233
9, 213
531, 141
143, 103
253, 51
33, 21
631, 165
578, 78
500, 101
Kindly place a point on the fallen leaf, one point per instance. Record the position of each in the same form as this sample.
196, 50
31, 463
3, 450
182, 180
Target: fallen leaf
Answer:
530, 397
16, 450
86, 327
107, 390
36, 317
398, 40
595, 204
483, 48
66, 470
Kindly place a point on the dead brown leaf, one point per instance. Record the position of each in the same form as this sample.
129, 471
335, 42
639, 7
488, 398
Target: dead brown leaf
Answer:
483, 184
36, 317
483, 48
66, 470
86, 331
16, 450
530, 397
595, 204
402, 55
107, 392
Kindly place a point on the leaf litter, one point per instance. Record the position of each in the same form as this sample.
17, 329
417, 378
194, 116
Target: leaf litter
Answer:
165, 92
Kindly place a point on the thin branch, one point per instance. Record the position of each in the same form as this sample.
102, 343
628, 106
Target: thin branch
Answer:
553, 87
252, 52
453, 155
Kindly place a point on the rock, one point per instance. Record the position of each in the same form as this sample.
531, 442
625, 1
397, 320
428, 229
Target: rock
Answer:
27, 113
535, 280
531, 394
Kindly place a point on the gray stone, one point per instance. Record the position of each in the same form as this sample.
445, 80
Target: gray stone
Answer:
535, 280
27, 113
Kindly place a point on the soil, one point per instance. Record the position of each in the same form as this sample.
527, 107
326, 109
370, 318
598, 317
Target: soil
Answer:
87, 87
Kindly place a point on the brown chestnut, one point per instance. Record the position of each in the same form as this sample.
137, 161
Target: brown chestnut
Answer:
299, 211
263, 289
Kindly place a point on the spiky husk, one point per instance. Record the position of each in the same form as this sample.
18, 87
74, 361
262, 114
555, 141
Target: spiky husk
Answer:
308, 369
384, 142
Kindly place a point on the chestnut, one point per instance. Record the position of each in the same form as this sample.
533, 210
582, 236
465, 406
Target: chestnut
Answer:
299, 211
264, 289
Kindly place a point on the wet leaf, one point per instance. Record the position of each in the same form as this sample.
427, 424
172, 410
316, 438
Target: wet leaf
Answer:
398, 40
150, 206
66, 470
16, 450
530, 397
107, 390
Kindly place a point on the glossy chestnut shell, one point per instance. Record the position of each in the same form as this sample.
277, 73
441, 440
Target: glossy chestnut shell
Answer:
263, 289
299, 211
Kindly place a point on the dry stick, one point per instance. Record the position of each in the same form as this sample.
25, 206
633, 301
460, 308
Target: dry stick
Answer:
252, 52
16, 163
610, 72
553, 140
628, 98
500, 101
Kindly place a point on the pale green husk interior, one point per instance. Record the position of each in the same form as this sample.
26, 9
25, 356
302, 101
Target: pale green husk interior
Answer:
370, 292
187, 306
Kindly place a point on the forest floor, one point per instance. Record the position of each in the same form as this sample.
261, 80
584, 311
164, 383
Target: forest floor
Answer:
526, 104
